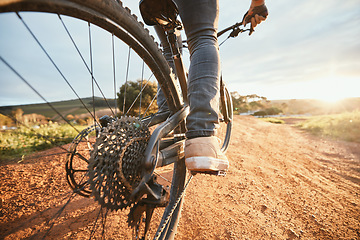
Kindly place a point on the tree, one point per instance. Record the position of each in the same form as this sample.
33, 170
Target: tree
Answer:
268, 111
260, 114
133, 88
5, 121
70, 117
273, 111
239, 102
247, 103
17, 115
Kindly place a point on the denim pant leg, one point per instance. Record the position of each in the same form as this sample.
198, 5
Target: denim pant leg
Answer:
200, 19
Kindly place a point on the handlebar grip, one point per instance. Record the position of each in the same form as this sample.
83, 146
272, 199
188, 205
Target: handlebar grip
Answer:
259, 10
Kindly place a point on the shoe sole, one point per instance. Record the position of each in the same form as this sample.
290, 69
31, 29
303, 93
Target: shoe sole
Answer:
216, 173
206, 164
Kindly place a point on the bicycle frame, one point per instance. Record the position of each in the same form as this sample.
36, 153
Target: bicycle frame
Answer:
160, 153
178, 62
172, 123
165, 146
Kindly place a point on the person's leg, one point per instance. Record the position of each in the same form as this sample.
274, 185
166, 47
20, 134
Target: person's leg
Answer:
200, 19
202, 150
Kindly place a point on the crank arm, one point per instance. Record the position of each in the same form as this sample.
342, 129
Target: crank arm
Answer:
171, 154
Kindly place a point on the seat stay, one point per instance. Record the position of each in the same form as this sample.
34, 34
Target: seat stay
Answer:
180, 69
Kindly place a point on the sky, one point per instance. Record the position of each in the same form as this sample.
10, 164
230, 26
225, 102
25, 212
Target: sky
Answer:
305, 49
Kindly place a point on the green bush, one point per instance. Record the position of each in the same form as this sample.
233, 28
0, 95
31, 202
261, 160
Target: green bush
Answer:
273, 120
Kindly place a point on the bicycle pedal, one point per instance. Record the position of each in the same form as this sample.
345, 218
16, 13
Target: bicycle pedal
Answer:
216, 173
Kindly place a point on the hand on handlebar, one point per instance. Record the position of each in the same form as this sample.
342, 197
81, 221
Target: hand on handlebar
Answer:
255, 15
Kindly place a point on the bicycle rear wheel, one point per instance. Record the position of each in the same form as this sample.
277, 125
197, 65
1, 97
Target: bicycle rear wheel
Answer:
81, 77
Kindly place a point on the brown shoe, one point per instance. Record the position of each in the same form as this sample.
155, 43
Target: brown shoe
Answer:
203, 155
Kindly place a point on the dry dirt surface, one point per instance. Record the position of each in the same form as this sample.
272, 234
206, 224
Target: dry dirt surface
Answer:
282, 184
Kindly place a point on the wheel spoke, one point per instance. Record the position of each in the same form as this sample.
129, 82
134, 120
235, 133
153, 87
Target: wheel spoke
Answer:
86, 65
139, 95
126, 78
92, 72
41, 96
166, 179
114, 72
152, 101
142, 81
52, 61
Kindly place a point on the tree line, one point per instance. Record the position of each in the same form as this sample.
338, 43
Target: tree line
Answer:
130, 102
255, 104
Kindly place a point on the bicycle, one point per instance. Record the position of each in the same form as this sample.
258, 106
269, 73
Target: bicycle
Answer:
145, 171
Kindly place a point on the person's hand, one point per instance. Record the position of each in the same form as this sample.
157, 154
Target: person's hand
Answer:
255, 15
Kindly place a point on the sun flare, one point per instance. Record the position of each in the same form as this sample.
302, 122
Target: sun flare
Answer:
333, 89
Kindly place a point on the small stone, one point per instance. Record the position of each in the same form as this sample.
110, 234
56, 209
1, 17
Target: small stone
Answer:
292, 234
263, 208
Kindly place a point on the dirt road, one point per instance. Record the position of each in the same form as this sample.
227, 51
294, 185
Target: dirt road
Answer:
282, 184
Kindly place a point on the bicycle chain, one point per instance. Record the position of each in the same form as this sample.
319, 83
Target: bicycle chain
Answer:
162, 227
115, 164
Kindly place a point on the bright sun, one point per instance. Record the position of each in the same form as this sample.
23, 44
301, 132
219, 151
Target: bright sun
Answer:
331, 89
330, 96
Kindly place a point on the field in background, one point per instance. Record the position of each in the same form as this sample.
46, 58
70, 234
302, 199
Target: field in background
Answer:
344, 126
73, 107
316, 107
23, 140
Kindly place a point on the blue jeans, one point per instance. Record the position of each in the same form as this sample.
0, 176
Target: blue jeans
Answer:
200, 20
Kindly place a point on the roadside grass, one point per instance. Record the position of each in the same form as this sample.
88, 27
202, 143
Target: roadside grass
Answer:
344, 126
273, 120
22, 141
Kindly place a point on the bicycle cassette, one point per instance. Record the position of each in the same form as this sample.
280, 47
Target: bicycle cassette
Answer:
115, 164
